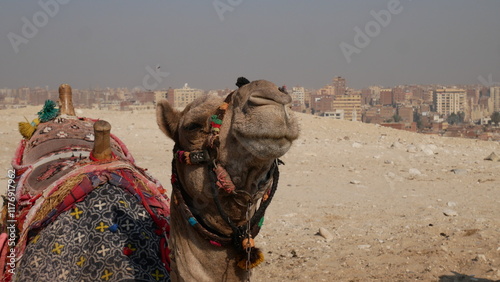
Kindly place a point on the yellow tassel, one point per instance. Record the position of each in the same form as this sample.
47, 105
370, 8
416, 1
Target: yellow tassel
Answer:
28, 128
256, 258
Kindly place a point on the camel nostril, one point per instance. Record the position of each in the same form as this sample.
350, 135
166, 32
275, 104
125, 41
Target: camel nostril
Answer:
287, 113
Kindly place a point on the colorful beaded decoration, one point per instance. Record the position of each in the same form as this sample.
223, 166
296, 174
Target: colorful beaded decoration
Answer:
216, 122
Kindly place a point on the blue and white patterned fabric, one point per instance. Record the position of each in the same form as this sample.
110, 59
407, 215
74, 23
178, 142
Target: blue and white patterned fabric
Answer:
109, 236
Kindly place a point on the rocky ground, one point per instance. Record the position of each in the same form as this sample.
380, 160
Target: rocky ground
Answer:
391, 205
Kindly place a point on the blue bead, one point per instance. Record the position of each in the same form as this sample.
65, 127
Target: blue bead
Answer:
192, 221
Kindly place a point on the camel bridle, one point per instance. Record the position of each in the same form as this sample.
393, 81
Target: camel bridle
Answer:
242, 236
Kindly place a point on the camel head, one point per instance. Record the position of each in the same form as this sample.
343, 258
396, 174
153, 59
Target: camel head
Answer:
231, 146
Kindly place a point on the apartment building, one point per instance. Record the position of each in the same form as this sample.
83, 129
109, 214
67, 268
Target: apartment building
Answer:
185, 95
450, 100
495, 96
350, 104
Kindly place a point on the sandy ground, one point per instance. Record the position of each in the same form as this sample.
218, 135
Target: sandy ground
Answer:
395, 206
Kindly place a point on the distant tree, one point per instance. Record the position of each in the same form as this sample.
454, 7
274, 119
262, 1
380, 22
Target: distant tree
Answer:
420, 125
418, 119
453, 119
396, 118
495, 118
416, 116
461, 117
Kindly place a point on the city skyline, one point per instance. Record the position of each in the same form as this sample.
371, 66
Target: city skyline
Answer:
156, 45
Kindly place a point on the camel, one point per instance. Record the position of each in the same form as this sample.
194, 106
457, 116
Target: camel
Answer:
78, 208
224, 175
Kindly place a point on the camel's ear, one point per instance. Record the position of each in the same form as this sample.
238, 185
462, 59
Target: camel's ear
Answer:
167, 119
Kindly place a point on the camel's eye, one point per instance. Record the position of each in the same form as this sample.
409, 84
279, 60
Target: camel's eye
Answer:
192, 126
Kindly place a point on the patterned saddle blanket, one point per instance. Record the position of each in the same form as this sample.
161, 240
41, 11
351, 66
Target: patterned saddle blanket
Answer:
79, 219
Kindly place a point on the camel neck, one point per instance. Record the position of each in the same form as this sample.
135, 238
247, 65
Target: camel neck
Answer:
193, 258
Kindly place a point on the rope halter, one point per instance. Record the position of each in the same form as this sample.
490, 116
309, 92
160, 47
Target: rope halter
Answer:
242, 236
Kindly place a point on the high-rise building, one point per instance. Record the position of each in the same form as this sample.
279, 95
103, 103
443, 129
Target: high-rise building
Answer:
326, 90
185, 95
428, 95
298, 94
165, 94
366, 96
473, 96
450, 100
350, 104
386, 97
398, 95
160, 95
339, 85
375, 91
418, 93
495, 95
321, 103
298, 98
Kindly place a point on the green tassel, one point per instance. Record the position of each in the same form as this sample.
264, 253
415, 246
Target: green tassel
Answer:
261, 222
216, 120
48, 112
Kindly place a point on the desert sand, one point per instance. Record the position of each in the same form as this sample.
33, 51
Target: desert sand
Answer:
393, 205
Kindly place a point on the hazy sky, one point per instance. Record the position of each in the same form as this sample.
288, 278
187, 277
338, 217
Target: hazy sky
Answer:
121, 43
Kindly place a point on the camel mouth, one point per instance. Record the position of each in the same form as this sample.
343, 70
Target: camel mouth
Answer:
267, 130
265, 147
258, 101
